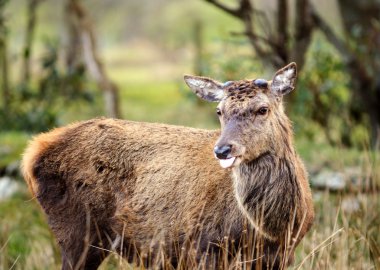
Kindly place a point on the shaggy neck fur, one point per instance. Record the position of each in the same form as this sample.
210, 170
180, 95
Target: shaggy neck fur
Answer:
267, 189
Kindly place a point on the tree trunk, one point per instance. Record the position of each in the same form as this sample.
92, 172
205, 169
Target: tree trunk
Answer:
303, 32
282, 30
91, 58
72, 42
29, 36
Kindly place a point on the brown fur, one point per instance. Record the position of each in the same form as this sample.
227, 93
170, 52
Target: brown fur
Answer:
150, 191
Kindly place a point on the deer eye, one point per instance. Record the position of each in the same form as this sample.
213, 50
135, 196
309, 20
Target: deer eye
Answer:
263, 111
218, 112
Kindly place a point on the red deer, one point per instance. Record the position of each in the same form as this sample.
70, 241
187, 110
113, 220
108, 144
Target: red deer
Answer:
175, 196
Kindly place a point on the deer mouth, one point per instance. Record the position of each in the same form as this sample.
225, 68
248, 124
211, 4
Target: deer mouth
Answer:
227, 163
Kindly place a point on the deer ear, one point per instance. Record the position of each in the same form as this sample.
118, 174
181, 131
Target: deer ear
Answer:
284, 80
205, 88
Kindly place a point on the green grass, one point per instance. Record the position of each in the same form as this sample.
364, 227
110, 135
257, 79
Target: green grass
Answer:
321, 156
25, 240
12, 145
165, 103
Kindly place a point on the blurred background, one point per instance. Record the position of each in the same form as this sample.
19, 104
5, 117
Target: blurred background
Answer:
70, 60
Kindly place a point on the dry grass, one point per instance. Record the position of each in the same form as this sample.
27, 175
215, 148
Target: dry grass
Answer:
345, 233
345, 236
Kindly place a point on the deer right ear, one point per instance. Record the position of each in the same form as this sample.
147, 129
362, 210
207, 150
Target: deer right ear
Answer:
284, 80
205, 88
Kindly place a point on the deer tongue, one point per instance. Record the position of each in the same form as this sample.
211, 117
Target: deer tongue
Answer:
226, 163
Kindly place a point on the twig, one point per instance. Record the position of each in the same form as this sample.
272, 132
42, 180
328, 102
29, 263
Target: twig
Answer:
6, 242
253, 35
14, 263
104, 249
253, 260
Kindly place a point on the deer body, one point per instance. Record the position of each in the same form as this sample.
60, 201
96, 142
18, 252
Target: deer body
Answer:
150, 191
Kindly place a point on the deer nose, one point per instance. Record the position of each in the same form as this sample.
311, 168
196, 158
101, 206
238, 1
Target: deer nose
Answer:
223, 151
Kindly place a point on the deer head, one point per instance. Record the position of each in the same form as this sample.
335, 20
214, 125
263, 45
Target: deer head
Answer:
251, 114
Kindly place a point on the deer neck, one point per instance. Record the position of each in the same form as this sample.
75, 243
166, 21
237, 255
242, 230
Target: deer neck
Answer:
267, 193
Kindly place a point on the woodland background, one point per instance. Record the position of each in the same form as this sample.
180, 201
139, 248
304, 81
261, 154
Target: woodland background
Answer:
69, 60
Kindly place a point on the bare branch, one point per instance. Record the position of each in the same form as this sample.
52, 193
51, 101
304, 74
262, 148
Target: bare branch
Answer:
232, 12
282, 30
303, 31
253, 35
263, 47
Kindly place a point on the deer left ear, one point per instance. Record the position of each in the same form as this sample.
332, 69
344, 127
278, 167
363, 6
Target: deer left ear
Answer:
284, 80
205, 88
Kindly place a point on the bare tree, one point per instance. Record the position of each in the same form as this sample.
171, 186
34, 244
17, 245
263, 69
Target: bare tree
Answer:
273, 46
81, 32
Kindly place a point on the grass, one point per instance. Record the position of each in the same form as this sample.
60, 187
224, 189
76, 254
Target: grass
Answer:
25, 240
341, 238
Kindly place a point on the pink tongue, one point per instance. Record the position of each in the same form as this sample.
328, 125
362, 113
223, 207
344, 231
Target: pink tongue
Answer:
226, 163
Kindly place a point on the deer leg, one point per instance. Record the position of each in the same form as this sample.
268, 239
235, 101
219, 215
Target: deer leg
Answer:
84, 245
83, 256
